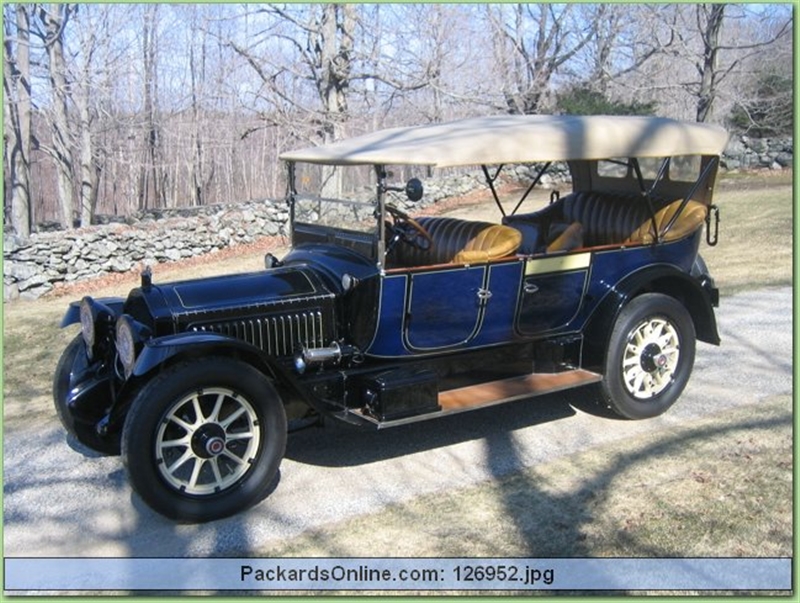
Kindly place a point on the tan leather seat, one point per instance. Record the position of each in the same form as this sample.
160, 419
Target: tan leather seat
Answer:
691, 218
452, 237
571, 238
494, 242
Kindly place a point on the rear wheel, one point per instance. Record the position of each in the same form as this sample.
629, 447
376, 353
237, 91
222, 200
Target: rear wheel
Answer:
204, 439
649, 358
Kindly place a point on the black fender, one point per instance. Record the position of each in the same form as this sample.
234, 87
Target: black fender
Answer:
698, 298
73, 314
162, 350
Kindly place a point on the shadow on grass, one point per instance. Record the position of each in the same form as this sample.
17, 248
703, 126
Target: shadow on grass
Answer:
552, 525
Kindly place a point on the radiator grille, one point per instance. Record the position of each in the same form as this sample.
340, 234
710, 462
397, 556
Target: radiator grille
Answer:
276, 335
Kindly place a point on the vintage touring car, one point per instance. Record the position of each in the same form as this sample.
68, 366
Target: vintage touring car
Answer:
377, 319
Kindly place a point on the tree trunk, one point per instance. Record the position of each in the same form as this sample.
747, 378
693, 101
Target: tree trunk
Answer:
54, 20
150, 192
709, 62
197, 75
17, 88
334, 47
90, 171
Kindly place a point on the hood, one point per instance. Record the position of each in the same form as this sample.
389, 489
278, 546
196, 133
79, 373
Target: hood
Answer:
193, 304
277, 311
218, 294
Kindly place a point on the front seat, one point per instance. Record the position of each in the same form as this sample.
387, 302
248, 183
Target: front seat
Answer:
493, 242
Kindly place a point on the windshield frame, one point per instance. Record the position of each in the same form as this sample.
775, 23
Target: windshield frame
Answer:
338, 233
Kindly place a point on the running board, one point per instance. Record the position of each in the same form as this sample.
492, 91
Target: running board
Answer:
494, 392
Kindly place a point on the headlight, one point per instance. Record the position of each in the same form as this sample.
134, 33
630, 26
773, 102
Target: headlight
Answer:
126, 344
88, 317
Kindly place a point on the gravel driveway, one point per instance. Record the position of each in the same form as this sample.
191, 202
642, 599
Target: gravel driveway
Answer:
62, 501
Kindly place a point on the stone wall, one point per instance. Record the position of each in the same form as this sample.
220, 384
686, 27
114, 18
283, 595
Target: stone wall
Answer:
33, 267
744, 152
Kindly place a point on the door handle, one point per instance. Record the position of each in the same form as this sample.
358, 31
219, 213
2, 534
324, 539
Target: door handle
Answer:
484, 295
530, 288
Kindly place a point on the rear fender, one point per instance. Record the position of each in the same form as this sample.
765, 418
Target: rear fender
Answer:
698, 300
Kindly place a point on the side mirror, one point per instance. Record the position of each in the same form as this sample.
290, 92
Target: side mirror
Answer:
414, 189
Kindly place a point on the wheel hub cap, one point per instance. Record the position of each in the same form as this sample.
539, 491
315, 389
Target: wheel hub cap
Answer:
209, 440
653, 358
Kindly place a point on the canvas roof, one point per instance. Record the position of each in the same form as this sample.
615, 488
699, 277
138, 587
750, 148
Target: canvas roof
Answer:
502, 139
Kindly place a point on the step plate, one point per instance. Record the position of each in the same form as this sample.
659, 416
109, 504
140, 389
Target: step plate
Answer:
496, 392
514, 388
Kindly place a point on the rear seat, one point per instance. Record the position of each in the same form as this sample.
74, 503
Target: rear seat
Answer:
604, 219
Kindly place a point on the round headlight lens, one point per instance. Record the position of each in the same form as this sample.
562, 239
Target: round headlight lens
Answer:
87, 323
126, 344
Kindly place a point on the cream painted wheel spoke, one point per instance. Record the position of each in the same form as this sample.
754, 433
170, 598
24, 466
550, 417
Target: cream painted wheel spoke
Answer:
184, 458
208, 441
650, 358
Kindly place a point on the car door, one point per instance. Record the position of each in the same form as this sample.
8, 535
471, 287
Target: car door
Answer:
552, 292
444, 307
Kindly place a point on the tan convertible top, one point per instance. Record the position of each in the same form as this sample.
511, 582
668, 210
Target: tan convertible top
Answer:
501, 139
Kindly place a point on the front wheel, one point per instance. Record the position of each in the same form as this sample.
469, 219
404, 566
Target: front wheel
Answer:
204, 439
649, 357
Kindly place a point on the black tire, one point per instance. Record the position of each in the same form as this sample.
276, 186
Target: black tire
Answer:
649, 358
204, 439
83, 432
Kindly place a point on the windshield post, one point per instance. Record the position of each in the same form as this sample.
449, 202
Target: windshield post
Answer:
380, 200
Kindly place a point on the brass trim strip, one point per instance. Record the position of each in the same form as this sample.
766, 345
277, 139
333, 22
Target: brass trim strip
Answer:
560, 263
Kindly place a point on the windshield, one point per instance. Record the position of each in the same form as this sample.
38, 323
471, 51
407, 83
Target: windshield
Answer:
335, 213
335, 197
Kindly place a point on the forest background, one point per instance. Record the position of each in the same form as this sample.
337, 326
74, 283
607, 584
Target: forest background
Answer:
120, 108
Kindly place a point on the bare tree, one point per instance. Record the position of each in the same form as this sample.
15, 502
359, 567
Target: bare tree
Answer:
710, 21
17, 139
709, 25
53, 21
430, 61
151, 174
712, 42
197, 66
532, 43
625, 39
85, 91
321, 37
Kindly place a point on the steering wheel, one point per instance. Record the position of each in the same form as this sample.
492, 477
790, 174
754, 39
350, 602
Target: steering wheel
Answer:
406, 229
